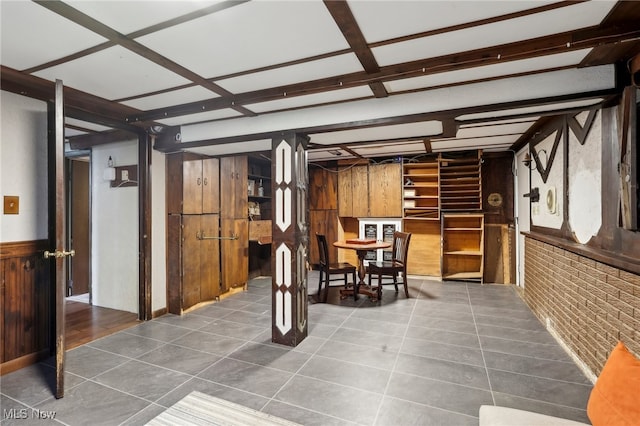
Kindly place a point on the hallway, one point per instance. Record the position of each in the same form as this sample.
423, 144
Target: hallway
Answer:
431, 359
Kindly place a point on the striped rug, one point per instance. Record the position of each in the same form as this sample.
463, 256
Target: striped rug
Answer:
200, 409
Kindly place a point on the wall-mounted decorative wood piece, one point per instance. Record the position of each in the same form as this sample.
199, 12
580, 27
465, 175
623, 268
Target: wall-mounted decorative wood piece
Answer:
582, 131
544, 171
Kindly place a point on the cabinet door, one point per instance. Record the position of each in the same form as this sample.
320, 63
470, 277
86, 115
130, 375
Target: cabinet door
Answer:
385, 190
233, 187
345, 193
210, 185
323, 189
209, 258
360, 188
174, 264
190, 261
241, 205
192, 187
235, 253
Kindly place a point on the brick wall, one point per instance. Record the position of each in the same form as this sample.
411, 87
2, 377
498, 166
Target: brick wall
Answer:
589, 304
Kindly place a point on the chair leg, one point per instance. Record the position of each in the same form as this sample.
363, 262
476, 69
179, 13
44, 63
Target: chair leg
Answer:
395, 281
319, 283
380, 286
406, 285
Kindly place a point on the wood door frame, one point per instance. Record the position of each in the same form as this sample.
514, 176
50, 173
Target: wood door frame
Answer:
69, 177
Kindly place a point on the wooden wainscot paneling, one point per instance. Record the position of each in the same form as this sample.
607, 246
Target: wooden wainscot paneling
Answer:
25, 298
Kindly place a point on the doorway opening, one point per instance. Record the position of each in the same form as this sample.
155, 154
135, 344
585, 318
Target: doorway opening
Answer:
84, 322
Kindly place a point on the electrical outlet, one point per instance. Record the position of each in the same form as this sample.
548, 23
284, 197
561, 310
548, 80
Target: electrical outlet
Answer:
125, 175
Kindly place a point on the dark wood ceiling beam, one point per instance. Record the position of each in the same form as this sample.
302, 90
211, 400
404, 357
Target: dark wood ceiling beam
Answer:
619, 17
112, 35
78, 104
81, 142
559, 43
444, 116
348, 25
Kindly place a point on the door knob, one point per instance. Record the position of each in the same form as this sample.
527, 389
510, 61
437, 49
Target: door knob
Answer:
57, 254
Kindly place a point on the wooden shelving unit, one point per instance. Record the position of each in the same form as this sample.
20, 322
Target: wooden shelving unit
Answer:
421, 191
462, 246
461, 183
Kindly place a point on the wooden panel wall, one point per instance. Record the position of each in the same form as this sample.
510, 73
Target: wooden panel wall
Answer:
25, 302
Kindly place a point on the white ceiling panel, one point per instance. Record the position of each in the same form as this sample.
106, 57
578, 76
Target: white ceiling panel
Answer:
69, 132
174, 97
528, 110
565, 19
490, 123
233, 148
129, 16
310, 100
250, 36
325, 155
384, 20
85, 124
307, 71
477, 142
488, 71
493, 92
501, 129
382, 150
27, 38
196, 118
408, 130
113, 73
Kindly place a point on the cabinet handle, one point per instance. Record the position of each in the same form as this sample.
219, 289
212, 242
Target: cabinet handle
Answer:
199, 180
205, 181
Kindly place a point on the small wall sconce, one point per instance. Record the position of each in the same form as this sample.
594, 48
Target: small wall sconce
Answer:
110, 172
530, 163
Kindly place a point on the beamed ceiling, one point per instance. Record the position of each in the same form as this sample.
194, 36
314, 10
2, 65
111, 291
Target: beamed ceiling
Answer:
360, 78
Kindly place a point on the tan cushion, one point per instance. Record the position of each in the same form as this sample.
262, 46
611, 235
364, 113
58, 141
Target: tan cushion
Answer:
615, 398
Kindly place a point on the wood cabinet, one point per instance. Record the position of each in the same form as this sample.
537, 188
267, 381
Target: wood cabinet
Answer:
421, 191
323, 188
462, 246
233, 187
461, 183
385, 190
235, 253
370, 191
193, 260
192, 184
201, 186
259, 188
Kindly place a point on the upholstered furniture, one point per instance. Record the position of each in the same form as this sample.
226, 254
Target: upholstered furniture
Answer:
614, 400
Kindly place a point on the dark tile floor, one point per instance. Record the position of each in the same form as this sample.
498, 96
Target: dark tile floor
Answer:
431, 359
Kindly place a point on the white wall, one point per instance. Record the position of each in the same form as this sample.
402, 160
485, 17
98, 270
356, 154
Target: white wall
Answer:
158, 232
114, 227
540, 214
23, 171
585, 181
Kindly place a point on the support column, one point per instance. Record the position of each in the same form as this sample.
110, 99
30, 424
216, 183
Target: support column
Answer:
290, 230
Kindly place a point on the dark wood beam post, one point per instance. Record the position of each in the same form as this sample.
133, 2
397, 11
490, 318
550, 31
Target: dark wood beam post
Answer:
290, 246
144, 226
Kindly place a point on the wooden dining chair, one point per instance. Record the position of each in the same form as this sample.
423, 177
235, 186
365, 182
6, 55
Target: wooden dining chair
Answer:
327, 268
391, 269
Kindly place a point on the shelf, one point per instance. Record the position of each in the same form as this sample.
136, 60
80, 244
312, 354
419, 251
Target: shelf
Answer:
463, 253
463, 229
463, 276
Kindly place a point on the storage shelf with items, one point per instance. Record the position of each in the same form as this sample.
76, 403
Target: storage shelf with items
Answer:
421, 194
461, 183
462, 246
259, 189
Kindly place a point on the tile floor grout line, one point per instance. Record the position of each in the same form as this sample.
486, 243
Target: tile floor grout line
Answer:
484, 361
395, 363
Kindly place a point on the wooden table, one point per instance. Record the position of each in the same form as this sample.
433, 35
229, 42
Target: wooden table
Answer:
361, 287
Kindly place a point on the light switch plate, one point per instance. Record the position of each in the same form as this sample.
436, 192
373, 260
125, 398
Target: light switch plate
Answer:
11, 204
